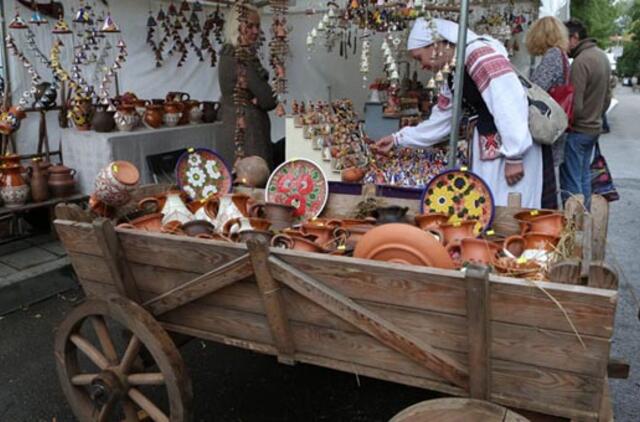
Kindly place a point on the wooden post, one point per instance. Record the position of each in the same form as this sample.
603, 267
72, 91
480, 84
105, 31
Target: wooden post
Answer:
600, 221
479, 329
587, 236
114, 257
273, 302
514, 200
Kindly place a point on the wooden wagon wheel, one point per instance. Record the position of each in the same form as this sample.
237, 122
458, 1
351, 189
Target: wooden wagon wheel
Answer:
116, 386
457, 410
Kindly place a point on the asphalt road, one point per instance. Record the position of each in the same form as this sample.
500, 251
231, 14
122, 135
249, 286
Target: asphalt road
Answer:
235, 385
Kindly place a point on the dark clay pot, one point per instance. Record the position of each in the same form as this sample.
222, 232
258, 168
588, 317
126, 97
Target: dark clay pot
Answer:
103, 120
392, 214
210, 111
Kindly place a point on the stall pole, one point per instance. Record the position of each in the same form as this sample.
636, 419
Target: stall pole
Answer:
458, 82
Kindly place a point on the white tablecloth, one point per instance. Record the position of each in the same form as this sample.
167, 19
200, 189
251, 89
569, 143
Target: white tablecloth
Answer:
88, 152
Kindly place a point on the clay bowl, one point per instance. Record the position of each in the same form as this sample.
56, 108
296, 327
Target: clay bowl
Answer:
431, 221
261, 236
196, 227
532, 214
551, 224
403, 244
457, 231
149, 222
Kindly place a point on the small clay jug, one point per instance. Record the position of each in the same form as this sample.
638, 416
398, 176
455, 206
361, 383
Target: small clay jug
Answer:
210, 111
297, 243
551, 224
126, 118
61, 181
457, 231
431, 221
471, 250
103, 120
280, 215
13, 189
153, 116
39, 183
194, 111
392, 214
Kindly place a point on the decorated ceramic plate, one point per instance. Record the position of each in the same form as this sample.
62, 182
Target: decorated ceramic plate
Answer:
201, 173
300, 183
461, 195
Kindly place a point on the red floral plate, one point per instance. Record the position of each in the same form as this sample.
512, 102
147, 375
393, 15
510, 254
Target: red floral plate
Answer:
300, 183
462, 195
201, 173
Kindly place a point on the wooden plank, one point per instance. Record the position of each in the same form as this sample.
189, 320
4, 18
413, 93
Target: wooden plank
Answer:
574, 210
528, 345
587, 250
177, 252
113, 256
603, 276
371, 323
72, 212
77, 237
273, 302
606, 410
479, 329
567, 271
600, 217
512, 300
206, 284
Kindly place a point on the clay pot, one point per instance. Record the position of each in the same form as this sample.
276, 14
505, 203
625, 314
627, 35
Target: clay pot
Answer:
61, 181
477, 251
140, 106
115, 182
392, 214
210, 111
258, 235
177, 96
39, 183
352, 175
431, 221
551, 224
194, 111
103, 120
153, 116
149, 222
13, 189
280, 215
457, 231
324, 234
403, 244
531, 215
172, 227
126, 118
297, 243
172, 113
196, 227
99, 208
238, 225
252, 171
516, 245
82, 114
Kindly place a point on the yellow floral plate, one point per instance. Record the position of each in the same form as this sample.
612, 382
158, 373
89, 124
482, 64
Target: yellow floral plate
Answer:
462, 195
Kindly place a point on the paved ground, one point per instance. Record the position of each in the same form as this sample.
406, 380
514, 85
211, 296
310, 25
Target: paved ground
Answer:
236, 385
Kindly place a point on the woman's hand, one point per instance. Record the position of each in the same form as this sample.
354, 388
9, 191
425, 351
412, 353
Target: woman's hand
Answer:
513, 172
384, 145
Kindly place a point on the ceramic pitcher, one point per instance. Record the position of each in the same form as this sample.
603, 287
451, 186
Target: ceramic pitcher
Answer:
175, 210
229, 207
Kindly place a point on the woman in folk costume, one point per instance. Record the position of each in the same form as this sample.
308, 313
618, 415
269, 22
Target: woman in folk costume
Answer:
503, 152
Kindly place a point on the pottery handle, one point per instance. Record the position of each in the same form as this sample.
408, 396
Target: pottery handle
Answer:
226, 229
510, 241
437, 233
216, 106
212, 207
142, 204
73, 172
256, 210
282, 241
126, 226
334, 223
204, 236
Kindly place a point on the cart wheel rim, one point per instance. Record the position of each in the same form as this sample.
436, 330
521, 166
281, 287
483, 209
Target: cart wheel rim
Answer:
93, 395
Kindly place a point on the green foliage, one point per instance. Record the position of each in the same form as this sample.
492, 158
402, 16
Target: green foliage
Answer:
629, 63
599, 16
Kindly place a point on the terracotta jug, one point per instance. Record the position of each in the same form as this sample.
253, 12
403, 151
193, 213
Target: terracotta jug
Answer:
13, 189
516, 245
457, 231
228, 207
154, 116
126, 118
478, 251
297, 243
194, 110
210, 111
103, 120
61, 181
172, 113
551, 224
431, 221
281, 216
39, 183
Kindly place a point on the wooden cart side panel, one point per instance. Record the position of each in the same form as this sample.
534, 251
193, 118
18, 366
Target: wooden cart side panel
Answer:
77, 237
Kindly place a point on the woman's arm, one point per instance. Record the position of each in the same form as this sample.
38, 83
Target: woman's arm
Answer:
430, 131
259, 86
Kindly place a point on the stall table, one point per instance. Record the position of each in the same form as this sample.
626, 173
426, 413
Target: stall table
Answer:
88, 152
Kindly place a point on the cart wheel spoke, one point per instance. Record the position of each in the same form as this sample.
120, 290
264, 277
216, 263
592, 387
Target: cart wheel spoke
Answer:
82, 379
130, 354
90, 351
155, 378
145, 404
130, 412
106, 411
102, 332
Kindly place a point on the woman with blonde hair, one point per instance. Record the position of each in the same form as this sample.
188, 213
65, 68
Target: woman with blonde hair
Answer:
257, 139
548, 37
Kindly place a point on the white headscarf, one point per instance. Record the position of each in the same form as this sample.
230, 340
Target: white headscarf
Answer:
422, 34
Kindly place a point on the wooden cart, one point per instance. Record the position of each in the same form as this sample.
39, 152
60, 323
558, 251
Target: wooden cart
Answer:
469, 334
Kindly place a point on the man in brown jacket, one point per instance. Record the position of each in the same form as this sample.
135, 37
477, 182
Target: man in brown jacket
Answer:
590, 73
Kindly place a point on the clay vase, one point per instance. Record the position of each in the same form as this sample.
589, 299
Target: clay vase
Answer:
39, 183
297, 243
172, 114
392, 214
431, 221
280, 215
153, 116
551, 224
149, 222
61, 181
252, 171
210, 111
457, 231
13, 189
352, 175
103, 120
194, 111
126, 118
82, 114
115, 182
197, 227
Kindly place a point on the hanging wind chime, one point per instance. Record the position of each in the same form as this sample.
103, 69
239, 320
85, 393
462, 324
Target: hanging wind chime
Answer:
241, 94
279, 50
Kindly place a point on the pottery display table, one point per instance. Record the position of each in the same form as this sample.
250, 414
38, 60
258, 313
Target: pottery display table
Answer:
88, 152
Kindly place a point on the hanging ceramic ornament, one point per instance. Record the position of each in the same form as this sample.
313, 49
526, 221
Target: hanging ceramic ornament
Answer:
61, 27
439, 76
37, 19
184, 6
197, 6
172, 11
18, 22
431, 84
109, 25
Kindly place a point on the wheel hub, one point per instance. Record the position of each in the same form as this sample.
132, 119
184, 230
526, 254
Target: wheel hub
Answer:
106, 387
